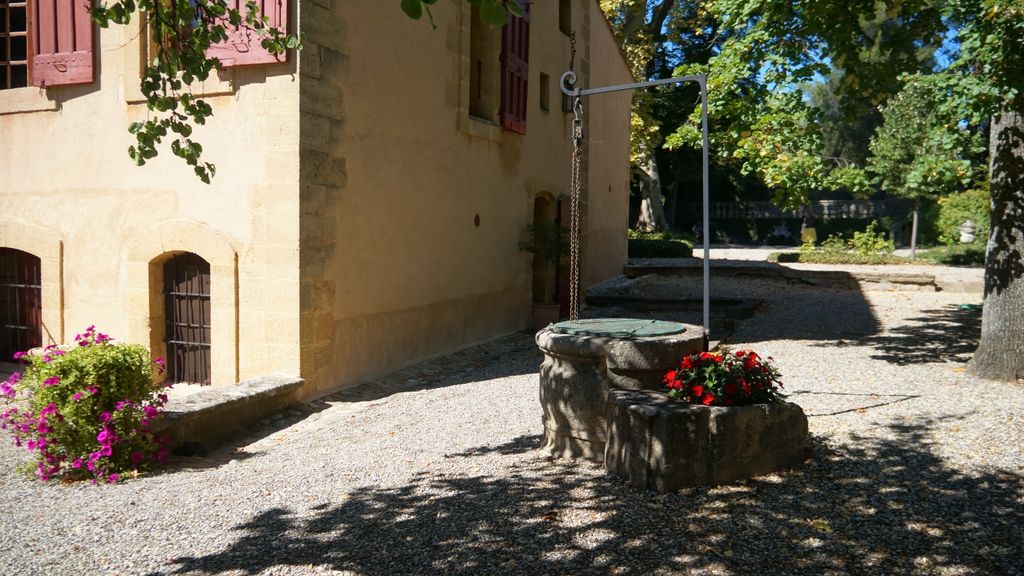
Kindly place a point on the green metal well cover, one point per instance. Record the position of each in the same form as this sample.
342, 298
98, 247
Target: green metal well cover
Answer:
619, 328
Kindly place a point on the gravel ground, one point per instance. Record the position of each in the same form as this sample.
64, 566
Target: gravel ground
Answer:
915, 468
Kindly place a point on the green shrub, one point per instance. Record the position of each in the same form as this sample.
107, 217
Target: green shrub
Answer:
972, 255
650, 248
956, 209
834, 258
86, 411
871, 241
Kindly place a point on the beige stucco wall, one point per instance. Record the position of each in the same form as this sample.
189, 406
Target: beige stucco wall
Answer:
359, 219
608, 169
395, 267
67, 187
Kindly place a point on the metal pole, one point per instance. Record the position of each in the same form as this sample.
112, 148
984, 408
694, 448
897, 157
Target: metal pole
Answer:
569, 79
706, 226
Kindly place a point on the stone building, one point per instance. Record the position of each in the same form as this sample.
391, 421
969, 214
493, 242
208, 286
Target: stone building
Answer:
370, 196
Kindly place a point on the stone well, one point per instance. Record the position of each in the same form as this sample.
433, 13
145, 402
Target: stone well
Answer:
584, 360
601, 393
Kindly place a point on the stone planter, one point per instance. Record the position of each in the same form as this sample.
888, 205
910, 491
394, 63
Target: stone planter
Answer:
658, 443
579, 371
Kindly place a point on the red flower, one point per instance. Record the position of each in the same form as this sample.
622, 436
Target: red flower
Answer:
708, 399
687, 363
669, 378
697, 390
741, 353
745, 385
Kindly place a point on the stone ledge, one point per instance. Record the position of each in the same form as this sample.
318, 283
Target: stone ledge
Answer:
657, 443
215, 413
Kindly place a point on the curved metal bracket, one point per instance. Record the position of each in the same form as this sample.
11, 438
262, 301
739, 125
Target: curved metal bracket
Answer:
567, 83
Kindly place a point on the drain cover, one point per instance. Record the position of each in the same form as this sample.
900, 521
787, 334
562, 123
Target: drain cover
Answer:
619, 328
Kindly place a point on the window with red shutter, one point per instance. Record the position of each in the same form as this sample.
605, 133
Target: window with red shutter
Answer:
61, 33
515, 56
243, 46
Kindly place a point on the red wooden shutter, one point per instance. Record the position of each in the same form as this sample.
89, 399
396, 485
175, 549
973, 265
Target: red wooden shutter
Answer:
515, 70
243, 47
61, 42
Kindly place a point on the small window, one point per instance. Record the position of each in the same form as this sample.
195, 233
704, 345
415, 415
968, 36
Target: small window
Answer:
13, 44
565, 16
484, 69
545, 92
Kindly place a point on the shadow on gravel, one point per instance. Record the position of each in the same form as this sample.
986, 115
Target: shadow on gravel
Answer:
946, 335
864, 402
880, 506
816, 315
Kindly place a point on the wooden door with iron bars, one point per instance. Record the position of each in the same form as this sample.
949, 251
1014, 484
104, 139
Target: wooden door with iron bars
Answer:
21, 326
187, 308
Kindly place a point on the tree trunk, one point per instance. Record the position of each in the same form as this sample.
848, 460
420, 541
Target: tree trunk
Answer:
913, 231
1000, 353
652, 207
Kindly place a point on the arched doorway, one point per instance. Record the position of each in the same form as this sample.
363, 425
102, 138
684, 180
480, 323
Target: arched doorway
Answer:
20, 303
187, 313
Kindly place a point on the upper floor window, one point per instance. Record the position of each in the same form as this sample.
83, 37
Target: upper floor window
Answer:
498, 70
45, 43
13, 44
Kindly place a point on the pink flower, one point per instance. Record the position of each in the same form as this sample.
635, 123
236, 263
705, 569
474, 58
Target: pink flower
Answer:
51, 381
150, 411
161, 455
92, 390
105, 417
76, 463
6, 389
136, 457
76, 396
113, 478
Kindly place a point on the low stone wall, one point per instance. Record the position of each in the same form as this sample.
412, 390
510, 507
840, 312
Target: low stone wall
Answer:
658, 443
215, 413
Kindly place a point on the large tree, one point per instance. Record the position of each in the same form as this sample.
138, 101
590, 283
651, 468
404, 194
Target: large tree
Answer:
772, 48
993, 62
640, 27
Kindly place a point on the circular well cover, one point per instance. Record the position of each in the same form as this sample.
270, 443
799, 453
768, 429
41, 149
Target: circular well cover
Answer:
619, 328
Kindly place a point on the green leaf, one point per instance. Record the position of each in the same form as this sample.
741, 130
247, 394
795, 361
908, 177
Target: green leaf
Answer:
493, 13
413, 9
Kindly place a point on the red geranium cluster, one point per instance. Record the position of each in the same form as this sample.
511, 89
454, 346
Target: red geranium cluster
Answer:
725, 379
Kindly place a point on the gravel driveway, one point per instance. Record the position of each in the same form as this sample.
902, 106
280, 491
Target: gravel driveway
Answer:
915, 468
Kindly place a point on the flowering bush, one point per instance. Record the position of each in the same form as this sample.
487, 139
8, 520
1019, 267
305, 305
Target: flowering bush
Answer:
86, 411
725, 379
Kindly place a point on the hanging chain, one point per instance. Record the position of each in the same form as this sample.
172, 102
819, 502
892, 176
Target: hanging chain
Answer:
574, 210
